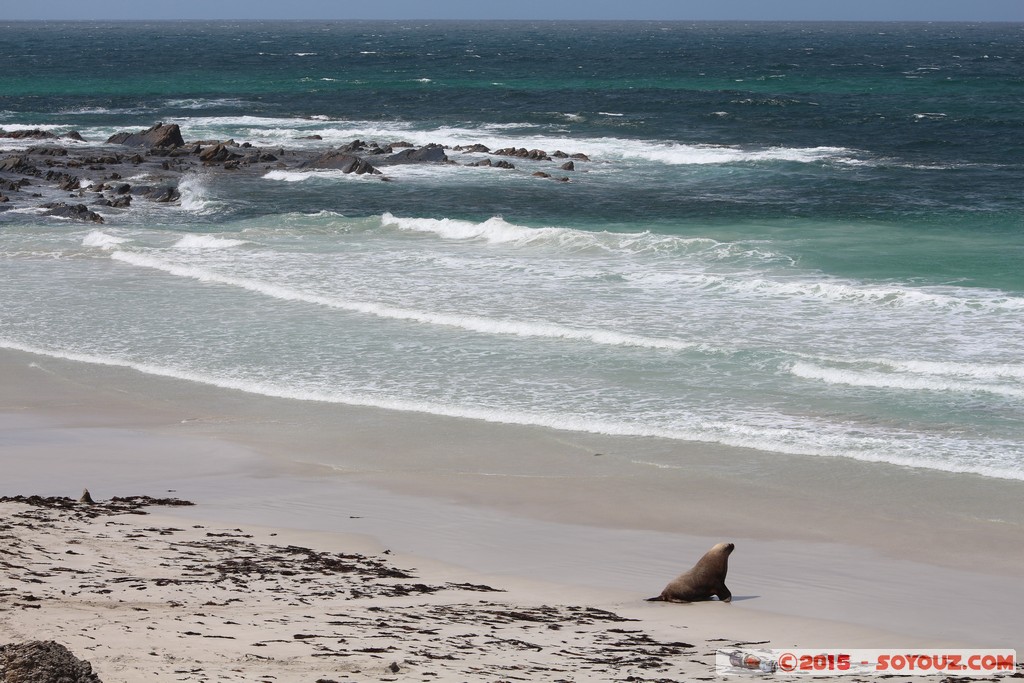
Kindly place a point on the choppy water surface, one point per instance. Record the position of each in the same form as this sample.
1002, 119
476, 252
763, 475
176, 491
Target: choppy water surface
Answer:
803, 238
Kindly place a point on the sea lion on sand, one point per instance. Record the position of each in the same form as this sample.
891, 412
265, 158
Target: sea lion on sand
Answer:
707, 578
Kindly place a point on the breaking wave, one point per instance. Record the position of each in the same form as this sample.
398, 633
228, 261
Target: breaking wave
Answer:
466, 322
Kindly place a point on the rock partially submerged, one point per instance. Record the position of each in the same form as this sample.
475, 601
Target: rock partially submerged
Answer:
43, 661
159, 135
45, 175
343, 161
77, 212
33, 134
429, 154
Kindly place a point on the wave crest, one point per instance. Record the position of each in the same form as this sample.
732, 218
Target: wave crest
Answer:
901, 381
102, 240
470, 323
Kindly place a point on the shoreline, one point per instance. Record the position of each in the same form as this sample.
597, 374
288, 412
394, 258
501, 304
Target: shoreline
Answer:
451, 494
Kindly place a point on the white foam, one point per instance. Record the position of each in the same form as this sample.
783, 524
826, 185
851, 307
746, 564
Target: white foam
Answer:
199, 103
289, 176
102, 240
496, 230
207, 242
466, 322
840, 291
680, 154
319, 174
272, 131
989, 371
880, 380
13, 127
195, 195
784, 440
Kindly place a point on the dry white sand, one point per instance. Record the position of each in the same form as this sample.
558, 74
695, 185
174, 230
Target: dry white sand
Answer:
828, 555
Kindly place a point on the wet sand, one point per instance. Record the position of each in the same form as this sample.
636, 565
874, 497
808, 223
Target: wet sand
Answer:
829, 553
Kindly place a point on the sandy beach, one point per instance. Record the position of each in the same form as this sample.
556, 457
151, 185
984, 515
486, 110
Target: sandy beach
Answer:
485, 551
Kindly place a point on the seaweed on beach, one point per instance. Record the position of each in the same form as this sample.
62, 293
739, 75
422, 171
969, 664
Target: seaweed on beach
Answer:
134, 505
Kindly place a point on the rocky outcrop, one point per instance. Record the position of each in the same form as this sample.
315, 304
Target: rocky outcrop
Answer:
158, 136
17, 164
217, 153
341, 160
77, 212
523, 153
472, 148
48, 172
43, 661
34, 134
428, 154
162, 194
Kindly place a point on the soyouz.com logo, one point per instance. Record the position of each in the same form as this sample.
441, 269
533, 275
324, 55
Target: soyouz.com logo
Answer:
861, 662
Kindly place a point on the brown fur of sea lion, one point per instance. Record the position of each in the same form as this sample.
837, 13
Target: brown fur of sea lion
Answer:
706, 579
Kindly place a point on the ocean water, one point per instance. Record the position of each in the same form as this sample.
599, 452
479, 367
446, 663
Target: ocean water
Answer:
797, 238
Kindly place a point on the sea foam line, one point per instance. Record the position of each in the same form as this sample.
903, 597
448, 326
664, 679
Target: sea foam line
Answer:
880, 380
669, 152
496, 230
781, 440
927, 367
465, 322
848, 292
102, 240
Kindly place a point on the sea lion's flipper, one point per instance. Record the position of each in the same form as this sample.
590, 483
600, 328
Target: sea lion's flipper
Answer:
724, 594
656, 598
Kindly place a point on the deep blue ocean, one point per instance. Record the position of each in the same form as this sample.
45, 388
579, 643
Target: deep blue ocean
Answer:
799, 238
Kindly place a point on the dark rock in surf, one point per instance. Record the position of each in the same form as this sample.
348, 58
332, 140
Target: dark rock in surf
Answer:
159, 136
523, 153
342, 161
162, 194
17, 164
428, 154
34, 134
78, 212
47, 151
217, 154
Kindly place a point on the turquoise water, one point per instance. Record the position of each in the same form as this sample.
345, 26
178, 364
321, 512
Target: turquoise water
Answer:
798, 238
